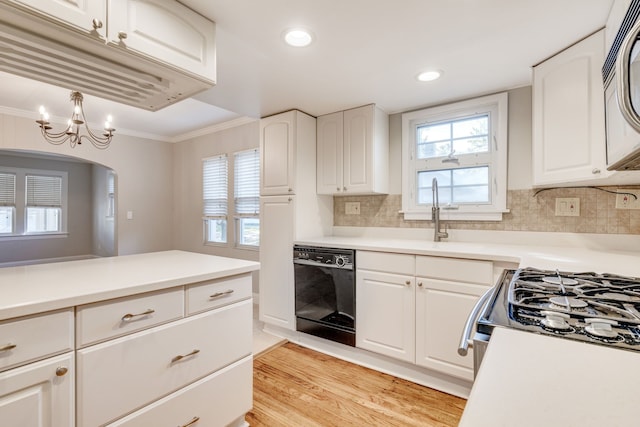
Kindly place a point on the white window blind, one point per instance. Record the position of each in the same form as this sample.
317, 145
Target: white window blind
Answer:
215, 187
44, 191
7, 189
247, 182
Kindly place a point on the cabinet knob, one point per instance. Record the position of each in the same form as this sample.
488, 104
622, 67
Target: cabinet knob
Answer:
420, 284
61, 371
96, 23
408, 282
595, 171
337, 188
122, 35
344, 188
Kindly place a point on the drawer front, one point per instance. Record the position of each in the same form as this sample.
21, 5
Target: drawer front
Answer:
108, 319
32, 338
216, 293
455, 269
123, 375
213, 401
386, 262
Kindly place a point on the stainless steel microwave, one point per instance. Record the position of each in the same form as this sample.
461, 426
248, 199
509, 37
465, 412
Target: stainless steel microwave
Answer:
621, 74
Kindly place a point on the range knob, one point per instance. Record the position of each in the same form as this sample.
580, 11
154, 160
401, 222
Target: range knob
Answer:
341, 260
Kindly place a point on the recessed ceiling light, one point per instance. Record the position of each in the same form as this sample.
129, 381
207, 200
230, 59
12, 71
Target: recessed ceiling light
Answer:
428, 76
298, 37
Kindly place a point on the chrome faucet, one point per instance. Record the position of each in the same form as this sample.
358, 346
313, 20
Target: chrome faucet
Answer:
435, 214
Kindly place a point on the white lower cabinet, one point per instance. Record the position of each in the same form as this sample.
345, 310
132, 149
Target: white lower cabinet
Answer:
125, 374
442, 308
413, 308
39, 394
385, 314
203, 403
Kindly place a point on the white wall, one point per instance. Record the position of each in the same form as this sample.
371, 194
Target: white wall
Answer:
145, 180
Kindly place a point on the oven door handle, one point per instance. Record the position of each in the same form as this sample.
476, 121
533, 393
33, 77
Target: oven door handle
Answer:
465, 340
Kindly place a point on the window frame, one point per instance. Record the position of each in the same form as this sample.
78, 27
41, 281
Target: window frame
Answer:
20, 207
496, 106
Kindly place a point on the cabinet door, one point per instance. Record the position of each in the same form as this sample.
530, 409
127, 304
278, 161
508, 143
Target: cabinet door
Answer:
568, 115
167, 31
277, 222
40, 394
277, 154
79, 14
358, 149
385, 314
330, 153
442, 308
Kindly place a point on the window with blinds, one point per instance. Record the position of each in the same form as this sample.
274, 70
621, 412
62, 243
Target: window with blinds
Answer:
111, 195
247, 197
7, 202
43, 205
215, 198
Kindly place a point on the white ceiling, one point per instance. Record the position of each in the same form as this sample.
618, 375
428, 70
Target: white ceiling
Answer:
366, 51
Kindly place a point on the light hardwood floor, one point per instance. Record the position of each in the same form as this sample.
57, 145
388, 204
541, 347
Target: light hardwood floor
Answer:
295, 386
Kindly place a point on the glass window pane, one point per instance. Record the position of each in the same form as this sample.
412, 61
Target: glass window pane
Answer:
471, 176
216, 230
479, 144
433, 133
6, 219
43, 220
425, 191
473, 194
478, 125
249, 231
434, 149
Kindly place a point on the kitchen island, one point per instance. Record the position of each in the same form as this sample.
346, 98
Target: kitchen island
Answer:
135, 340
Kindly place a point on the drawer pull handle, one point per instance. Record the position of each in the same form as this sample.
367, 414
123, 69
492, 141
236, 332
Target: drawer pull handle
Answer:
221, 294
192, 422
8, 347
182, 356
129, 317
61, 371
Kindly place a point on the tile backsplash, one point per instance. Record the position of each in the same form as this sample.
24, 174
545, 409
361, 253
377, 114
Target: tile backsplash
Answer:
528, 211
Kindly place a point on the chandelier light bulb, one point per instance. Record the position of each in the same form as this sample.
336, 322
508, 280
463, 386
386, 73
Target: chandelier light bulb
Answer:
42, 110
45, 116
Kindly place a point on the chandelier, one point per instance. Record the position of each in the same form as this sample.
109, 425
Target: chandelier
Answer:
74, 125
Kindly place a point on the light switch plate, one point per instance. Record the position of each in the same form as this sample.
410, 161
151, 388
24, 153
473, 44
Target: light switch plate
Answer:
567, 206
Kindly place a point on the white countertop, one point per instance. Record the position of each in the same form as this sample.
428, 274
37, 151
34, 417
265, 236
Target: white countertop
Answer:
564, 257
37, 288
527, 379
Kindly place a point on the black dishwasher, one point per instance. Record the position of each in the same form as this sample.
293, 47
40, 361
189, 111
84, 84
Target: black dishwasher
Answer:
325, 289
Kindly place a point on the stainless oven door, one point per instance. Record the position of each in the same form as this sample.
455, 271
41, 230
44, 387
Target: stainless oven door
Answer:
480, 341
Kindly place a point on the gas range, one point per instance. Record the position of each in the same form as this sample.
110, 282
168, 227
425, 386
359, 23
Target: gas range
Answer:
595, 308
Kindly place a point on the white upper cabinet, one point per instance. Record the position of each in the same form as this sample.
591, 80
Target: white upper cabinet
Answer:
85, 15
353, 152
164, 30
568, 115
277, 154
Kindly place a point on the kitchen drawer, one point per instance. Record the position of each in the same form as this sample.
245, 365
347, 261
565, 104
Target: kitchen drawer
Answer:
26, 339
455, 269
386, 262
216, 293
215, 400
109, 319
123, 375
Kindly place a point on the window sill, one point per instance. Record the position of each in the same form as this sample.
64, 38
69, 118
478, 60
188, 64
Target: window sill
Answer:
455, 216
248, 247
11, 237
